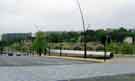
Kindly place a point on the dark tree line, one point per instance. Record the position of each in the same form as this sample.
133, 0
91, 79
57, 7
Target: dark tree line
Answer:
57, 37
115, 35
100, 35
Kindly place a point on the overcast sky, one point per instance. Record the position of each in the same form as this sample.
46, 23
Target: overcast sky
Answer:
22, 15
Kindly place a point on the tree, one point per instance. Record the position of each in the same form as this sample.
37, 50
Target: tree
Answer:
71, 36
40, 44
90, 36
16, 46
121, 29
119, 35
101, 36
1, 47
55, 37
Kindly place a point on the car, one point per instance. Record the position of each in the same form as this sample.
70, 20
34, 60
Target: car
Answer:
18, 54
10, 54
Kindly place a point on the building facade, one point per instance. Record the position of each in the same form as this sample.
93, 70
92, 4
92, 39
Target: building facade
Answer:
16, 36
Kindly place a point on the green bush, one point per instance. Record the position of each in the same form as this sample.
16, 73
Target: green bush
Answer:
121, 48
113, 47
127, 48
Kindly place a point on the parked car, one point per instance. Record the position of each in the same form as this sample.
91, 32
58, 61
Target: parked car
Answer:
18, 54
10, 54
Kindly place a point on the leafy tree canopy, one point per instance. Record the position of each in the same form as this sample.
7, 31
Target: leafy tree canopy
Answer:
40, 43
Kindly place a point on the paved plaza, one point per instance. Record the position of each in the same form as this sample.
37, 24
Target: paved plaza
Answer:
35, 61
30, 68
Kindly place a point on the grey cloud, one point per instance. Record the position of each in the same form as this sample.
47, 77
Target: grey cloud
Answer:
112, 12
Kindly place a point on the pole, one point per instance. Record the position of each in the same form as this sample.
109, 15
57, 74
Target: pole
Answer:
104, 52
84, 30
60, 51
61, 46
49, 51
106, 39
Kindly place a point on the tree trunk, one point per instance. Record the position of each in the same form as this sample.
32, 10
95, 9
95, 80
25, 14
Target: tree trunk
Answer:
40, 52
45, 52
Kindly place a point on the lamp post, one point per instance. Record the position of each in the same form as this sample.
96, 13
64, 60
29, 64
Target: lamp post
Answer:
84, 29
107, 41
61, 46
49, 46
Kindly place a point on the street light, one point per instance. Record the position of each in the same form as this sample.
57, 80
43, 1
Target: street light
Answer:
84, 29
107, 41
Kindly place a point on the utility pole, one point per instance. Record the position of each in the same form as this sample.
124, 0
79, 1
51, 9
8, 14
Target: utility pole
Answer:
105, 43
37, 27
84, 30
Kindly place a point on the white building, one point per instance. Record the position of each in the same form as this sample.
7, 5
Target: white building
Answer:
128, 40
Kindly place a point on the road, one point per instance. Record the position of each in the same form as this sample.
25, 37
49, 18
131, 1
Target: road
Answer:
35, 61
124, 77
30, 68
